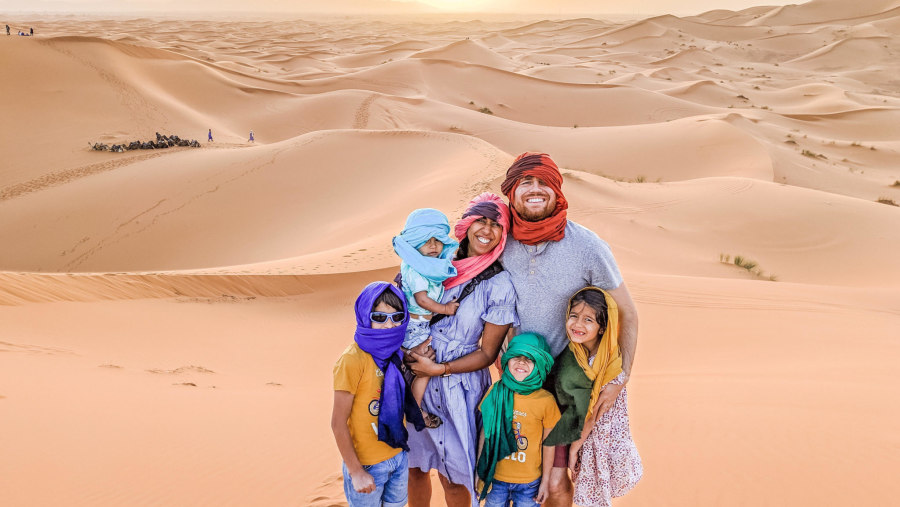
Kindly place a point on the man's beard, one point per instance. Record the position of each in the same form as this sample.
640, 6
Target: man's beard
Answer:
534, 216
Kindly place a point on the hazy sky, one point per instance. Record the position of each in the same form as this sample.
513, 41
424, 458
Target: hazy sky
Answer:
385, 6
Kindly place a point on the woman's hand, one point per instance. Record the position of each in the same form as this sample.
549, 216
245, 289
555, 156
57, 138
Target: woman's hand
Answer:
425, 366
423, 349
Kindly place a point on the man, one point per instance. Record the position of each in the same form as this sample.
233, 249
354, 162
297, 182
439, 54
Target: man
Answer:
549, 258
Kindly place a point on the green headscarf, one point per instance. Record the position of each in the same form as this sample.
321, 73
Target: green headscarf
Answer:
497, 406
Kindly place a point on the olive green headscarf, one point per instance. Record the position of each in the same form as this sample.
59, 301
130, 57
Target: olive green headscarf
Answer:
497, 406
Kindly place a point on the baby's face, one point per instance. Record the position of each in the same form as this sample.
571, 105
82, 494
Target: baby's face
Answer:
431, 248
520, 367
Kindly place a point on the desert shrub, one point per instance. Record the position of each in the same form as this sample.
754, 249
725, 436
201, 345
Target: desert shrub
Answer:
811, 154
751, 266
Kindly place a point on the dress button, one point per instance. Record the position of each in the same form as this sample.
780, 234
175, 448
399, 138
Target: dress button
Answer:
532, 272
532, 261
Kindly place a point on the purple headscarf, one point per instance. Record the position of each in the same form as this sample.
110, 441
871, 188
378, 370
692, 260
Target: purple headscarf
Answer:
384, 347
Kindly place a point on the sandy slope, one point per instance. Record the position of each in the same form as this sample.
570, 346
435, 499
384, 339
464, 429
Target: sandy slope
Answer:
170, 318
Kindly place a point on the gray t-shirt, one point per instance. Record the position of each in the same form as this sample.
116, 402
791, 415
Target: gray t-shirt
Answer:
547, 274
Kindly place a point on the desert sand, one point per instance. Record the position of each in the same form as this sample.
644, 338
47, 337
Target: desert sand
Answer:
170, 318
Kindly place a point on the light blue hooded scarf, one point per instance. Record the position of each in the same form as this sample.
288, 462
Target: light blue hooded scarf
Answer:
422, 225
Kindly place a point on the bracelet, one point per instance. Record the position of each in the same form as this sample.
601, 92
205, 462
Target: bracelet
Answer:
446, 370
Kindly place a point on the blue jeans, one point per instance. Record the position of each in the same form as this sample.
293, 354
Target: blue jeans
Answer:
391, 483
521, 495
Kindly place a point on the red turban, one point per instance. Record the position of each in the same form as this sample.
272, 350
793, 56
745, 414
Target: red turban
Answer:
551, 228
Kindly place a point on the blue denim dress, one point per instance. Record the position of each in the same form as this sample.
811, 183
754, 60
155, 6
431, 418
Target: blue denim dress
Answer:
451, 447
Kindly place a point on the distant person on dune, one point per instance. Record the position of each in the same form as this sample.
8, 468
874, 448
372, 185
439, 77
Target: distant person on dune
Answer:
209, 136
31, 31
7, 30
251, 137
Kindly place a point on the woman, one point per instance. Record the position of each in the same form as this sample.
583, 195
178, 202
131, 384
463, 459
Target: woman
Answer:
464, 345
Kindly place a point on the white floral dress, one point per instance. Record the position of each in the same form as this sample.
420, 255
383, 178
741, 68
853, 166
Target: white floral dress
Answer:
608, 464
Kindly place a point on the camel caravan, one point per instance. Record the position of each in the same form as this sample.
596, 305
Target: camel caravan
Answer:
161, 142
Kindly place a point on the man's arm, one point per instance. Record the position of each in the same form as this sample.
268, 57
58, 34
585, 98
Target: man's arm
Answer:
603, 272
628, 328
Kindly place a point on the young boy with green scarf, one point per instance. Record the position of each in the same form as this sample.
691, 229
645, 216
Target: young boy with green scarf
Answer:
517, 415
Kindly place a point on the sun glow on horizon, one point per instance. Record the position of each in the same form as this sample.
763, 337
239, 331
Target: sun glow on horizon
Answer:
459, 5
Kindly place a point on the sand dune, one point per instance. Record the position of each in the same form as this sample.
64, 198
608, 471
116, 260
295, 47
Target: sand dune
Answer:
150, 227
825, 11
833, 56
171, 316
468, 51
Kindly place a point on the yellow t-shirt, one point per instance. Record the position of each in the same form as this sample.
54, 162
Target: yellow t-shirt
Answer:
531, 414
356, 373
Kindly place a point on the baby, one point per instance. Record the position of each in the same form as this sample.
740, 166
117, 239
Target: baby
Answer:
426, 251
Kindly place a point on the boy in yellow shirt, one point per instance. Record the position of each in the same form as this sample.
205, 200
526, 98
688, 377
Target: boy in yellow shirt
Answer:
370, 400
514, 465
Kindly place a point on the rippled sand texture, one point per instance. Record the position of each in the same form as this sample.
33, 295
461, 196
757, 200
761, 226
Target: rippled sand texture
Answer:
171, 317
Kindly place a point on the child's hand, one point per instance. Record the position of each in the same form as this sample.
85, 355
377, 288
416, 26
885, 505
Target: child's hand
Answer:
450, 308
574, 451
543, 491
362, 481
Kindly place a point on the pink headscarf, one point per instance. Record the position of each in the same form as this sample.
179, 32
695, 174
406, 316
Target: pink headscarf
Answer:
470, 267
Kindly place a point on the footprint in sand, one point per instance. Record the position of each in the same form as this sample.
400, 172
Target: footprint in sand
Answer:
182, 369
33, 349
330, 493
